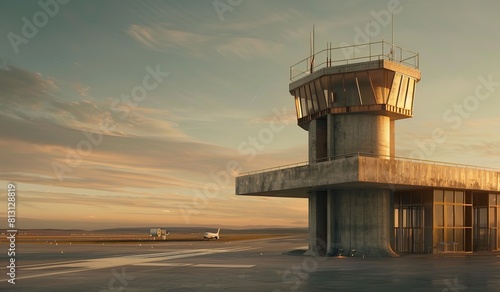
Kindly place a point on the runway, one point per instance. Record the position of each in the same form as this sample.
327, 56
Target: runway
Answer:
250, 265
150, 259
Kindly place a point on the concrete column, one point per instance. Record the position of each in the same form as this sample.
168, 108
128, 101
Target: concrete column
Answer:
391, 219
312, 133
360, 220
367, 133
321, 139
330, 132
332, 227
393, 138
317, 224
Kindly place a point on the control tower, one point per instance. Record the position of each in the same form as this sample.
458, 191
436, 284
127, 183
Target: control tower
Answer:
362, 199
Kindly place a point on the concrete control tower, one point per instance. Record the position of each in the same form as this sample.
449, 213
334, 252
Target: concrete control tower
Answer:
362, 199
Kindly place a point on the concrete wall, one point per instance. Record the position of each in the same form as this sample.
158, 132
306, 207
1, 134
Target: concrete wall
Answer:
411, 173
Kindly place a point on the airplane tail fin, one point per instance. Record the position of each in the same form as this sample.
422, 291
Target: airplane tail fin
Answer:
218, 230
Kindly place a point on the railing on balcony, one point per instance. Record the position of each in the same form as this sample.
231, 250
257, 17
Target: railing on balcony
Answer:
329, 57
361, 154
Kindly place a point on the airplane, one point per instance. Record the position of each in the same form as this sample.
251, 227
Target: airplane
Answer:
211, 235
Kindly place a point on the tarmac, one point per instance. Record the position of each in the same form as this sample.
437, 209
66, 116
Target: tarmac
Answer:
250, 265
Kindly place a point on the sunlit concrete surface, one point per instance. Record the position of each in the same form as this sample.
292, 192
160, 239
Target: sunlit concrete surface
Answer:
253, 265
364, 171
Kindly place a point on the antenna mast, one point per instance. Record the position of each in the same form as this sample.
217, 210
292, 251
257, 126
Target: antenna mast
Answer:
311, 65
392, 48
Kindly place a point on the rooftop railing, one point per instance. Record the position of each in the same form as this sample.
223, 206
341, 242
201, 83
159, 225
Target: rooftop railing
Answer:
380, 50
361, 154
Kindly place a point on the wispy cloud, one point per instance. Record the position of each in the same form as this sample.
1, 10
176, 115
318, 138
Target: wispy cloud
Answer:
249, 48
164, 38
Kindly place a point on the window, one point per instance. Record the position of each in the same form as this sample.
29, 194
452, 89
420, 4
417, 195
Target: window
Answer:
365, 88
493, 199
449, 216
439, 215
452, 220
297, 106
393, 96
409, 95
438, 196
303, 102
402, 92
320, 95
459, 216
448, 196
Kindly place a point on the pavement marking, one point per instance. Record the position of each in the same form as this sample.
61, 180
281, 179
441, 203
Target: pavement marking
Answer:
193, 265
162, 265
223, 266
112, 262
27, 267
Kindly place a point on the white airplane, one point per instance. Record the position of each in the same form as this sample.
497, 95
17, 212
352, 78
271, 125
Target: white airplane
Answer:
211, 235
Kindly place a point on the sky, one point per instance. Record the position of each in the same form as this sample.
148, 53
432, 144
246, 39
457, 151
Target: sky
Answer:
141, 113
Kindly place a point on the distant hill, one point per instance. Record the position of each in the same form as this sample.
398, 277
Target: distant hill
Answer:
137, 230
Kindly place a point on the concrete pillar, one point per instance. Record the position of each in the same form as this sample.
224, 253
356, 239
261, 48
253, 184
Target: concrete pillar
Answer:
317, 224
393, 138
391, 219
330, 131
332, 227
359, 220
321, 139
312, 132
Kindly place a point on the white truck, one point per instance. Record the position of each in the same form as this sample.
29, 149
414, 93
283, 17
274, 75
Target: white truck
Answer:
158, 232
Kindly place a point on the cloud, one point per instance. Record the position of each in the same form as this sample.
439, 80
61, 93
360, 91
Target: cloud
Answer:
54, 141
160, 37
287, 116
31, 97
80, 88
249, 48
163, 38
23, 87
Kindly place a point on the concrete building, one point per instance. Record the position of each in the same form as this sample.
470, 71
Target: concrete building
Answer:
363, 200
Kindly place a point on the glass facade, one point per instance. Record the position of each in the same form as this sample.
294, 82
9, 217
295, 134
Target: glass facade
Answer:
370, 87
494, 221
452, 220
412, 220
439, 220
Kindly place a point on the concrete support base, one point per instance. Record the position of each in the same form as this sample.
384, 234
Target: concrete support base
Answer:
359, 223
317, 224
